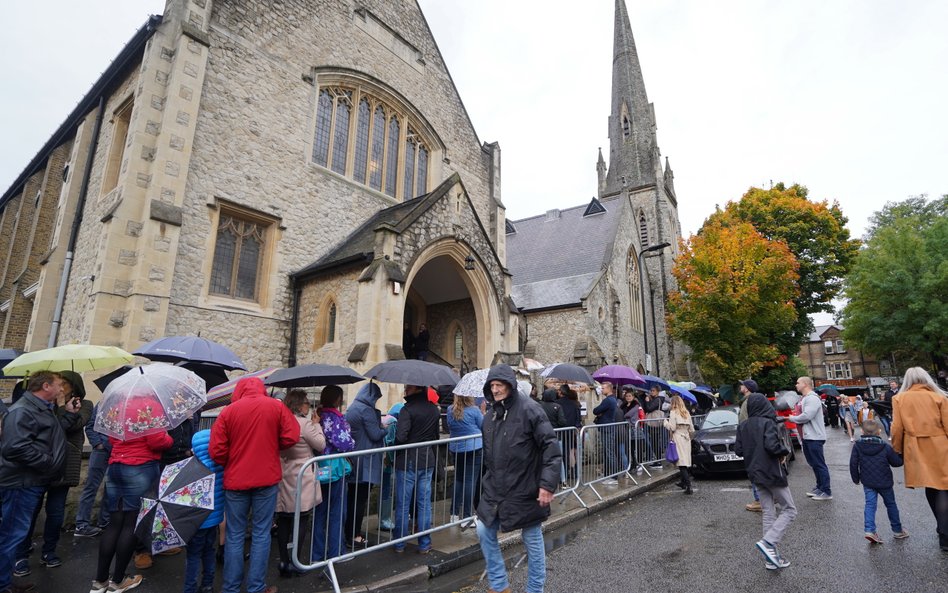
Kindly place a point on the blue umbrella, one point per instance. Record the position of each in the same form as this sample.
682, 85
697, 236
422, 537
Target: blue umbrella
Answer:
656, 382
191, 349
684, 393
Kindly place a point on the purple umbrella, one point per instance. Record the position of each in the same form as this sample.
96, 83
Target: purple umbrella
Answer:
191, 349
619, 375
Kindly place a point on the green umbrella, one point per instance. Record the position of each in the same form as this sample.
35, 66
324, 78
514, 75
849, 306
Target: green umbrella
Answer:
71, 357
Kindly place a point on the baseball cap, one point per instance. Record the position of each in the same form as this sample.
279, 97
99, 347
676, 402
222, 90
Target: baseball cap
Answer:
751, 385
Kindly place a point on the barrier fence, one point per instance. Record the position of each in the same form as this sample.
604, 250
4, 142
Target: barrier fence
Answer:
392, 496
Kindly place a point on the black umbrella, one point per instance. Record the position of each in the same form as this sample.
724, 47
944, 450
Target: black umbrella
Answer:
191, 349
185, 499
103, 381
412, 372
568, 372
312, 375
212, 374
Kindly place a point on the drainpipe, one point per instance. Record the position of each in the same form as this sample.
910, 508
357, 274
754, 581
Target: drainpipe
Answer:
76, 222
294, 321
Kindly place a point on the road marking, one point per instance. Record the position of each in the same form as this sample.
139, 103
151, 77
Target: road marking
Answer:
734, 489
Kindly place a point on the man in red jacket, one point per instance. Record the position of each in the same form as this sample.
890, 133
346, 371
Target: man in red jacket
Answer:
247, 439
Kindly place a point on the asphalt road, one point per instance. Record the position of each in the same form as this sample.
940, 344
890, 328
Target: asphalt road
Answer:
666, 541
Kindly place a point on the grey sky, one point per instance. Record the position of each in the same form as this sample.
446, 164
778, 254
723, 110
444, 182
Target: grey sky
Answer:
844, 96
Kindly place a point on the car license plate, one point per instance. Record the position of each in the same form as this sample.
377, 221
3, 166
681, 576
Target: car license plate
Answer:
728, 457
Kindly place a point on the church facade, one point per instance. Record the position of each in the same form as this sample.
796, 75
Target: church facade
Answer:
234, 174
592, 281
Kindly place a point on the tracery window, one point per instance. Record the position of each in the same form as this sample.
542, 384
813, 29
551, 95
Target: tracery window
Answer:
458, 344
635, 293
363, 137
238, 253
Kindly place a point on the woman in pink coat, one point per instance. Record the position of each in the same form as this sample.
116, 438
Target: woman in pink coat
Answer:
311, 442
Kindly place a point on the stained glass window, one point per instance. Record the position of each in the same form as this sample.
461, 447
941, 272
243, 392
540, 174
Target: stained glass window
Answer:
378, 144
362, 141
237, 255
323, 124
391, 159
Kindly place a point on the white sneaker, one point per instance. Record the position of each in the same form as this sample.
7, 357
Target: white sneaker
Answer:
454, 519
129, 582
610, 482
99, 586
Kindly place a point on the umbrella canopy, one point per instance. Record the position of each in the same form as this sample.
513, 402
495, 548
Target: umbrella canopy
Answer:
219, 396
684, 393
212, 374
412, 372
472, 384
71, 357
192, 349
705, 398
312, 375
619, 375
149, 399
185, 499
8, 355
103, 381
828, 388
567, 372
653, 381
786, 400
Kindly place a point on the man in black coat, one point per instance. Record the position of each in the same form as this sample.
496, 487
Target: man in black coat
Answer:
522, 461
414, 468
758, 442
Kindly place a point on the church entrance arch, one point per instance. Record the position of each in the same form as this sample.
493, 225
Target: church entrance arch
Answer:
455, 304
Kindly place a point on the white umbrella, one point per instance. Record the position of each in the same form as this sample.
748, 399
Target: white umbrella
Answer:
472, 384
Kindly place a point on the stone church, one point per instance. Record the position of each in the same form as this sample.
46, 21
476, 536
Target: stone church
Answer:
235, 175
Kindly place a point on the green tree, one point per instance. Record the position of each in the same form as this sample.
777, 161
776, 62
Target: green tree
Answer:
735, 297
897, 291
817, 236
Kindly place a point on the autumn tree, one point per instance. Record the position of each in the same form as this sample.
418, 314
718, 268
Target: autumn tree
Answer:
817, 236
735, 299
897, 291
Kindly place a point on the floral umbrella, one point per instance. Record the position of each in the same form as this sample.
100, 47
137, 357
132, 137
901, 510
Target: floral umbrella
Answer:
149, 399
185, 499
472, 384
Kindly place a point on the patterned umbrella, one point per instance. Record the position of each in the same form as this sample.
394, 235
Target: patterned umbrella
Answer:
472, 384
149, 399
185, 499
218, 397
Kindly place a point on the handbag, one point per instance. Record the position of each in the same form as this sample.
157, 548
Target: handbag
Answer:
671, 452
332, 470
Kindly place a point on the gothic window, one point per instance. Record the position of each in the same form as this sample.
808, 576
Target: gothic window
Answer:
458, 344
331, 324
362, 141
238, 255
120, 123
643, 230
368, 139
326, 322
626, 126
635, 293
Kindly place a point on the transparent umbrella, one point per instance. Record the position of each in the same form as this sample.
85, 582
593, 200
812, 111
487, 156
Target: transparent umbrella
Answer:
149, 399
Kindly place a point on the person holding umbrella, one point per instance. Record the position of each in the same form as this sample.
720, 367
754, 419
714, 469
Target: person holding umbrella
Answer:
32, 455
133, 472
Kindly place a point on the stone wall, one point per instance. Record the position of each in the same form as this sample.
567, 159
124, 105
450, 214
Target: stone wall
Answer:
342, 288
553, 334
442, 318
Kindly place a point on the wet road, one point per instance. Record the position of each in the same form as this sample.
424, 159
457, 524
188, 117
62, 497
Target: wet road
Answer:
666, 541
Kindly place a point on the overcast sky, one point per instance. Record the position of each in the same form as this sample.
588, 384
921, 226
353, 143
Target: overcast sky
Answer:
847, 97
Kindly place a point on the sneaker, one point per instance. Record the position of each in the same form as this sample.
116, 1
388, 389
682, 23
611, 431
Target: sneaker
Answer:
610, 482
781, 563
638, 471
471, 523
769, 552
387, 525
424, 550
143, 560
754, 507
656, 465
873, 537
50, 561
99, 586
900, 535
129, 582
21, 568
813, 492
454, 519
822, 496
87, 531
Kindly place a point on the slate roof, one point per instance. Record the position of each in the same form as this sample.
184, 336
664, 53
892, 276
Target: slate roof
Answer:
555, 260
819, 330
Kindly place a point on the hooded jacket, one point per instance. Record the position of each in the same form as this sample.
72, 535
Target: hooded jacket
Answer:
73, 424
249, 434
871, 463
758, 442
33, 448
365, 424
554, 411
199, 445
521, 455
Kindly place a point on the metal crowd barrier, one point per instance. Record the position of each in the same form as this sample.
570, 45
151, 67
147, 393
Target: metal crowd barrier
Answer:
650, 440
605, 455
395, 505
571, 469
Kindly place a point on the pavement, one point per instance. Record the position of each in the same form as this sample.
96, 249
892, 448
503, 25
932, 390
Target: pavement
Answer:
381, 570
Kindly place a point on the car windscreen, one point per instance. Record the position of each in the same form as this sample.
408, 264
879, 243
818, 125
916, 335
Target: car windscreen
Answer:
717, 418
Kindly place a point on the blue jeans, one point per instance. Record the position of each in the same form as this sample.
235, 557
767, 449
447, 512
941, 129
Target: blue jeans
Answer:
467, 477
497, 571
610, 448
327, 521
408, 481
200, 554
888, 498
18, 506
98, 463
813, 452
52, 527
886, 423
238, 504
126, 484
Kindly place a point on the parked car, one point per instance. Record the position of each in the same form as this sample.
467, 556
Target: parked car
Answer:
712, 448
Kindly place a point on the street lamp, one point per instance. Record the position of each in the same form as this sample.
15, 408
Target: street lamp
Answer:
642, 253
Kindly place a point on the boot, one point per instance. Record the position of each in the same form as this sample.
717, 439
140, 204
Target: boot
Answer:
685, 479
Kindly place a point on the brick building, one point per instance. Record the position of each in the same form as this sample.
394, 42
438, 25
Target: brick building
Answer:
828, 360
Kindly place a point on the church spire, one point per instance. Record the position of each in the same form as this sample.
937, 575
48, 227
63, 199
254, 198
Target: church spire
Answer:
601, 172
632, 123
